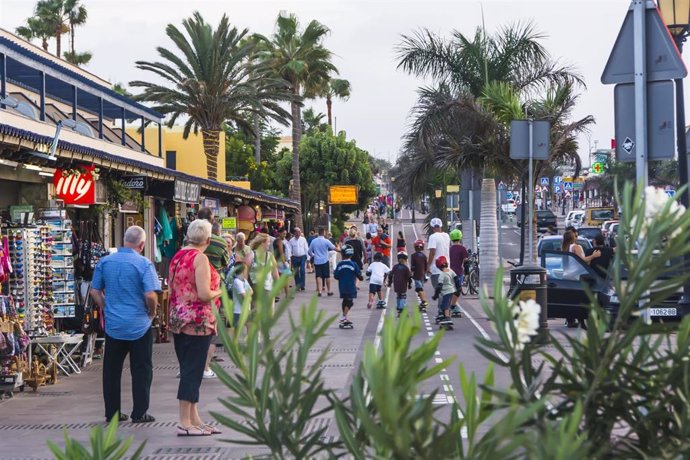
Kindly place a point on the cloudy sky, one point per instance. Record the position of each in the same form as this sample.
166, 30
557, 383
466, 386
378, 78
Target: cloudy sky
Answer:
363, 36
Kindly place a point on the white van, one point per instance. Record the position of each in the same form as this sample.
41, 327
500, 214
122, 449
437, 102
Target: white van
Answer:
573, 216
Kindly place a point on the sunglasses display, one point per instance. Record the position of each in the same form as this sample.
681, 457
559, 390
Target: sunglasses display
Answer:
61, 264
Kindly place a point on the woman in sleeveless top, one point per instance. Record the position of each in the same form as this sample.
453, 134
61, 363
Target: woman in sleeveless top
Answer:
570, 245
194, 292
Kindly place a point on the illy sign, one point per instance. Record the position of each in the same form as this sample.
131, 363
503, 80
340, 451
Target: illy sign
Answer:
75, 186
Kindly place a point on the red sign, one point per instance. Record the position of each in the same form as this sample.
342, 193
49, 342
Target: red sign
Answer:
75, 186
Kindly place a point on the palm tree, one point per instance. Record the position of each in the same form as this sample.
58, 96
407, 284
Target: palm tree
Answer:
211, 79
335, 87
478, 84
301, 60
78, 59
35, 28
76, 16
312, 120
55, 15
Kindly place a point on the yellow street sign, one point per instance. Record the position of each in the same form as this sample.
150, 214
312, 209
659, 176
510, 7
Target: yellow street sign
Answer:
343, 194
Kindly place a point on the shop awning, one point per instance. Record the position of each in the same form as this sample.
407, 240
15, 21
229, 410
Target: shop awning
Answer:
70, 152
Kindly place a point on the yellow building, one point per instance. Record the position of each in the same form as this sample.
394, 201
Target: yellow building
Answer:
187, 155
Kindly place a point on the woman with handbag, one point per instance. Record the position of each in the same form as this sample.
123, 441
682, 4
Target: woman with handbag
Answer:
194, 290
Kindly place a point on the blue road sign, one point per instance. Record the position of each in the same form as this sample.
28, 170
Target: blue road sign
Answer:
557, 179
671, 193
556, 188
544, 181
567, 186
509, 195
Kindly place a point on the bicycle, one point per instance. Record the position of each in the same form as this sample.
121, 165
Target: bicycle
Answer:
470, 282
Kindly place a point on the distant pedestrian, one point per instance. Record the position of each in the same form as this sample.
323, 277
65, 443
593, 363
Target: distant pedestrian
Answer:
264, 261
401, 279
400, 243
445, 287
125, 287
382, 245
300, 249
319, 250
347, 273
357, 245
418, 266
240, 291
310, 261
194, 290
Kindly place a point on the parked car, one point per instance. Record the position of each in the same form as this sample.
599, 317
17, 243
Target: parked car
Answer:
589, 233
613, 231
554, 242
570, 218
567, 275
509, 207
579, 220
546, 219
606, 226
597, 216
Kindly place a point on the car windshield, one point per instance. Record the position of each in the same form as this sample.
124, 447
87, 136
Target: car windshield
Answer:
554, 244
589, 232
602, 214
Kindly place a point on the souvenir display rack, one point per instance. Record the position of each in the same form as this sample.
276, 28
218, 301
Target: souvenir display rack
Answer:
30, 282
64, 302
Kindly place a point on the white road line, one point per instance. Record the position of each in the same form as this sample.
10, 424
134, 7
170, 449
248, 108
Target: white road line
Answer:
485, 334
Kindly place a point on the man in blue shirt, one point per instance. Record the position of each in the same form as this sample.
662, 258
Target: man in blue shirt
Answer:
318, 249
125, 286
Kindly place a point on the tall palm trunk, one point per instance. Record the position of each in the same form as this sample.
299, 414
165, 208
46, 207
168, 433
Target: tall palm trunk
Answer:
211, 138
44, 44
488, 255
58, 41
71, 37
296, 192
329, 109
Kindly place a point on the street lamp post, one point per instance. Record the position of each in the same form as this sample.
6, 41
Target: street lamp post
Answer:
676, 16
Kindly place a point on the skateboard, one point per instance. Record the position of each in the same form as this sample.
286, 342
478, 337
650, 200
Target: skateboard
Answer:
456, 314
380, 304
346, 325
447, 325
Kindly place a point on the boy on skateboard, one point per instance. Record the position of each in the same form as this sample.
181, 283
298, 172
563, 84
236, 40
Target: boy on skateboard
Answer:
346, 272
444, 292
377, 272
418, 265
401, 279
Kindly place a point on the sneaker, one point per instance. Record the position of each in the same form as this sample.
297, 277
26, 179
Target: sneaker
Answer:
369, 305
209, 374
456, 311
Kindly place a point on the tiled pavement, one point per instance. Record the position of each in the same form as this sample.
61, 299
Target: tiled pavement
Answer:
31, 418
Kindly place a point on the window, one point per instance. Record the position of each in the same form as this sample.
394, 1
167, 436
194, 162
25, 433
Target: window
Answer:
566, 267
171, 159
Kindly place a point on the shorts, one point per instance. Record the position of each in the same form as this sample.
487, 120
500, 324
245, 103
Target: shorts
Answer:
418, 285
444, 302
236, 319
374, 288
323, 270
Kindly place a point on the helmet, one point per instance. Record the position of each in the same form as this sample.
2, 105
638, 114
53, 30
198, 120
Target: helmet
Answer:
419, 244
402, 255
436, 222
456, 235
348, 250
441, 262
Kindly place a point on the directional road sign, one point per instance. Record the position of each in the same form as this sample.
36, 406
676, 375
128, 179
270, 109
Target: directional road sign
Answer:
509, 195
663, 61
544, 181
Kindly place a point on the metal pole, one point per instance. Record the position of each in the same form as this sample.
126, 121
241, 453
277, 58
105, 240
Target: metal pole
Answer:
681, 144
640, 67
530, 185
522, 222
472, 235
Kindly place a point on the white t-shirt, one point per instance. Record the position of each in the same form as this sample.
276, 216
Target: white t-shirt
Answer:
378, 273
439, 241
240, 288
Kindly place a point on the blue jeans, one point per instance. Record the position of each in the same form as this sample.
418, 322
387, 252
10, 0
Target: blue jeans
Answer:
401, 302
300, 269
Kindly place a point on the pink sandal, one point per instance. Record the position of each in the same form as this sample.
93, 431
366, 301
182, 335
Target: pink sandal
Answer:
191, 431
206, 428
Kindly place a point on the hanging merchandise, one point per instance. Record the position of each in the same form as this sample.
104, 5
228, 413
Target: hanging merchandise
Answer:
13, 348
88, 249
30, 283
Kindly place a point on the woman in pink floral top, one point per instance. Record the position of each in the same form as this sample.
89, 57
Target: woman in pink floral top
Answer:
194, 290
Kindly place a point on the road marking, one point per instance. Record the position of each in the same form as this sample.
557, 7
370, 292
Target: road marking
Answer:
485, 334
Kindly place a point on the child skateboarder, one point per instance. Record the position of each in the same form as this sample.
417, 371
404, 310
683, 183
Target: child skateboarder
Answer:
418, 265
377, 272
444, 292
347, 272
401, 279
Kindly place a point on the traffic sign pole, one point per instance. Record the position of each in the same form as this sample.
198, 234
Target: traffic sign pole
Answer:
531, 197
639, 47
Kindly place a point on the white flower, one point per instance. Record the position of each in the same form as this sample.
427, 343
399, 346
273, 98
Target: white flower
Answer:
525, 322
655, 201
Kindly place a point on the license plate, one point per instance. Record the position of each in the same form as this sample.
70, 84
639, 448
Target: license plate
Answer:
661, 311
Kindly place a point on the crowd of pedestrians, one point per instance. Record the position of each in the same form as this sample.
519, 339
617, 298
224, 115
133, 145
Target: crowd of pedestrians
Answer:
125, 286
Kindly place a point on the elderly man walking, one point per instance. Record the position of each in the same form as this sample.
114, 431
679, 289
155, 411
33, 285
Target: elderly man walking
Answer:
125, 286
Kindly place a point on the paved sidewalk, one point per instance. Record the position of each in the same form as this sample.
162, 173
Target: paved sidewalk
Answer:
29, 419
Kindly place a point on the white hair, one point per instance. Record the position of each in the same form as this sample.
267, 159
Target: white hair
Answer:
134, 235
199, 231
